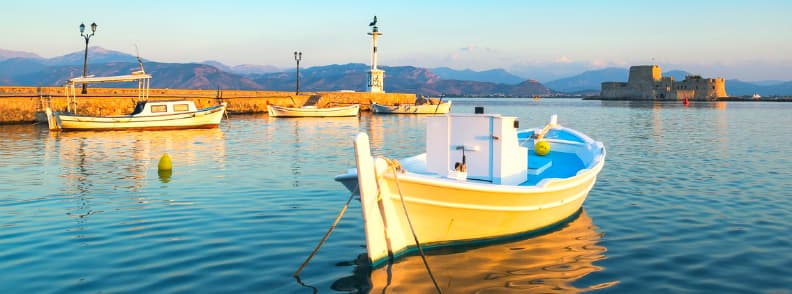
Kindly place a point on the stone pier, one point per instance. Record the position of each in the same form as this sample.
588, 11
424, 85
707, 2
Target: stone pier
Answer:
23, 104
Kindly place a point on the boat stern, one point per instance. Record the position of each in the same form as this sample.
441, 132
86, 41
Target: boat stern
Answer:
52, 120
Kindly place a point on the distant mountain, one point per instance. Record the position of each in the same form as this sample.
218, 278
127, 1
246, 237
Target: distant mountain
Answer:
589, 80
30, 70
8, 54
350, 76
20, 66
498, 76
767, 82
740, 88
243, 69
96, 55
401, 79
165, 75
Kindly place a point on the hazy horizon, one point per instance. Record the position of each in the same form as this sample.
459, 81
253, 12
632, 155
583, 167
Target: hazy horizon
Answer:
542, 41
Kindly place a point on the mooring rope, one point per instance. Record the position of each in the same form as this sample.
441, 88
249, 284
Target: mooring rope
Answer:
327, 235
395, 165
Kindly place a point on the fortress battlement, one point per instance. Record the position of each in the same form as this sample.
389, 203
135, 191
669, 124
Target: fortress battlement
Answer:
647, 83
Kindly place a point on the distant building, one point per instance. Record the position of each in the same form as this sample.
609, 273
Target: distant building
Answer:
646, 83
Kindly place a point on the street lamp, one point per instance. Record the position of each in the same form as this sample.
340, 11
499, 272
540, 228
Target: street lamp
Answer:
298, 57
85, 60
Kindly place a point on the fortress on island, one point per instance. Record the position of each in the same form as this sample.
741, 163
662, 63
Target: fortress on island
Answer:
647, 83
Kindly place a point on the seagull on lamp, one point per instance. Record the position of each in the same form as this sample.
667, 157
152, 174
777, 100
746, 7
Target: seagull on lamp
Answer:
373, 23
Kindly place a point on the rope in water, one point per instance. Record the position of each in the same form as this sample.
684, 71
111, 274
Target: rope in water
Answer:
327, 235
394, 166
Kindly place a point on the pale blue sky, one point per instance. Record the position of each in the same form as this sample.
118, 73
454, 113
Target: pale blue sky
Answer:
748, 40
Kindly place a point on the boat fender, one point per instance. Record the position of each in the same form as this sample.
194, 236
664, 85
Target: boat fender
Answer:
542, 148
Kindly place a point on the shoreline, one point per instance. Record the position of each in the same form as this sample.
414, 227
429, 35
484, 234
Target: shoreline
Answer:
26, 104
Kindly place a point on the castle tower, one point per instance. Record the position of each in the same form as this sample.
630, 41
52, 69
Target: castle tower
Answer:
375, 76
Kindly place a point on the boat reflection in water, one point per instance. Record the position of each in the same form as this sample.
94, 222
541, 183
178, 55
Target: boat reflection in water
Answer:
125, 158
551, 262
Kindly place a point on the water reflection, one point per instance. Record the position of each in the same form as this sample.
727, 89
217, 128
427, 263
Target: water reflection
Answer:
719, 105
300, 138
124, 159
551, 262
387, 135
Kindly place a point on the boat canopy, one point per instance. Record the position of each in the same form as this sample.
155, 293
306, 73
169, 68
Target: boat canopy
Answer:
135, 76
141, 77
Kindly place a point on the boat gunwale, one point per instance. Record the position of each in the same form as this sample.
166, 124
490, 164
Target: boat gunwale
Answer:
326, 109
207, 110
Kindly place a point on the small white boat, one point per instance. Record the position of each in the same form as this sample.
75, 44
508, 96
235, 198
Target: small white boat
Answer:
441, 108
756, 96
147, 115
312, 111
480, 179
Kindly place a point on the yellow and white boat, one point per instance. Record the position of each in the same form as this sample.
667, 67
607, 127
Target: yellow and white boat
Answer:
312, 111
479, 179
440, 108
147, 115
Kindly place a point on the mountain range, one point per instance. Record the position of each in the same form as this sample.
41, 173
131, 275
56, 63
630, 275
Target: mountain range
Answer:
30, 69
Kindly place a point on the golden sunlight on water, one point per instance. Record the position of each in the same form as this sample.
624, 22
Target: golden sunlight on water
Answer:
132, 154
547, 263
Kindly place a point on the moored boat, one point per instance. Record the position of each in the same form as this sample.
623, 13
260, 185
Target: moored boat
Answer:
480, 179
440, 108
147, 115
312, 111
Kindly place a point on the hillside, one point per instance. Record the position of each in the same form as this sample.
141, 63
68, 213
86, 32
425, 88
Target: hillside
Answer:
589, 80
498, 76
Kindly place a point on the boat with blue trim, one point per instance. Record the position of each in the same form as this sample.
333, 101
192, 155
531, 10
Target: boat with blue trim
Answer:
480, 179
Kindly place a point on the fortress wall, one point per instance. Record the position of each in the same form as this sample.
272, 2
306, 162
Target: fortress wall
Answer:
647, 83
614, 90
643, 79
644, 73
23, 104
705, 89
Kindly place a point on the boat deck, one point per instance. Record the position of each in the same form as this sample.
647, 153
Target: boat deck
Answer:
554, 165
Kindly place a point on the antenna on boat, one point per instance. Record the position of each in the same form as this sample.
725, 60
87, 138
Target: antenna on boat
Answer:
140, 61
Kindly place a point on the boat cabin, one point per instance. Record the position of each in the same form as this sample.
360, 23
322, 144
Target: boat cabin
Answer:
149, 108
483, 146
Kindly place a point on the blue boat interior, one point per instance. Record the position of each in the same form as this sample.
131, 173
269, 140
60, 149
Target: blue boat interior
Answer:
556, 164
553, 165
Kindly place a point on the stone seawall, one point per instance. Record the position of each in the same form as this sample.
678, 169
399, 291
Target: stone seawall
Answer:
21, 104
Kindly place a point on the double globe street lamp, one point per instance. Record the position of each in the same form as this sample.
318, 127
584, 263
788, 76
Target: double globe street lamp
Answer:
85, 60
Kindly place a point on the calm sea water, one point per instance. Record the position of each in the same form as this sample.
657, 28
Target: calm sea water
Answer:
691, 199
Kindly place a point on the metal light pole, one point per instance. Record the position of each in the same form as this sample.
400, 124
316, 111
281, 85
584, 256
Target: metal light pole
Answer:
298, 57
87, 37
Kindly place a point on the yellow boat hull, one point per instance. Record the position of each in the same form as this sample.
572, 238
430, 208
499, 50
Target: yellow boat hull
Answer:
442, 210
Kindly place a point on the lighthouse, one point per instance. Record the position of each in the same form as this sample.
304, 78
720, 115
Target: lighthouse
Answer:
375, 76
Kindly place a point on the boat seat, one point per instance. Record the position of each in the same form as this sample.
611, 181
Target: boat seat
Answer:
538, 164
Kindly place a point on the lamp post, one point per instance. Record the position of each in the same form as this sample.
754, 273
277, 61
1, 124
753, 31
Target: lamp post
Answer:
298, 57
87, 37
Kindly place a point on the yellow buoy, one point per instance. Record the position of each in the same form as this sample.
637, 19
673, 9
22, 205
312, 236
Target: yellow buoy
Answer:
542, 148
165, 162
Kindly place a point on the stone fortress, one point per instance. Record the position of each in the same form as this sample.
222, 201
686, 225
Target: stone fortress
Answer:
647, 83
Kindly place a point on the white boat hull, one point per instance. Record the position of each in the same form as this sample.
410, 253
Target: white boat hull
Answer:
441, 108
280, 111
203, 118
444, 210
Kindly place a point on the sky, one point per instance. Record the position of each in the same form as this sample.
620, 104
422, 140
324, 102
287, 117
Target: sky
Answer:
543, 40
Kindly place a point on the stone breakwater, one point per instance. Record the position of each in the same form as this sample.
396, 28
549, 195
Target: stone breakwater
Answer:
26, 104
